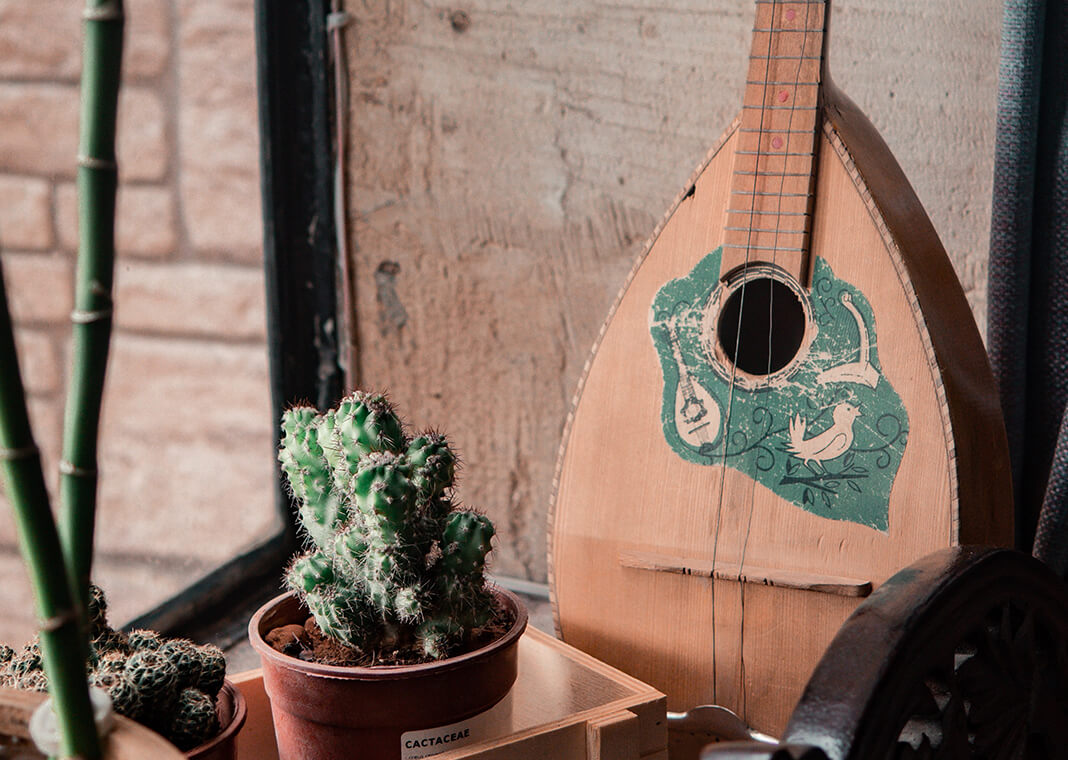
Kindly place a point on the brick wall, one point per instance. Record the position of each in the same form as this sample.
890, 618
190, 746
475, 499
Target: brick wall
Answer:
187, 438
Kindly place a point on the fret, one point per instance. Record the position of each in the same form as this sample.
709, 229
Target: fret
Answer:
782, 83
781, 240
793, 120
796, 130
802, 140
794, 134
747, 130
777, 155
773, 195
782, 108
791, 2
773, 174
802, 30
763, 248
776, 231
758, 212
762, 57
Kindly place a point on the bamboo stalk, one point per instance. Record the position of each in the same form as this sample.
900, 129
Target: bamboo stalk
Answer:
91, 332
63, 646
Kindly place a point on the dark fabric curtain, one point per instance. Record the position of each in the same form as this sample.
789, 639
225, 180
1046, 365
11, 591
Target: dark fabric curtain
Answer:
1028, 277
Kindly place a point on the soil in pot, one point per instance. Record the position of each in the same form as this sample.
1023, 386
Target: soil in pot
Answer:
323, 711
307, 642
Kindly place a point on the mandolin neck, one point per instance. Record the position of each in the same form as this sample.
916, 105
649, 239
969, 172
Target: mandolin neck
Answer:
769, 216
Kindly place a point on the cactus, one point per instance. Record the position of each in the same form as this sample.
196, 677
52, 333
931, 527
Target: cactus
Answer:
193, 720
139, 639
170, 685
153, 676
394, 563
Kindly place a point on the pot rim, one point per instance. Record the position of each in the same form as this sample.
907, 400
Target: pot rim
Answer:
237, 720
386, 672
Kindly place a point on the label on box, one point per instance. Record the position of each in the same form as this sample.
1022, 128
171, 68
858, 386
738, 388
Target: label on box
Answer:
433, 741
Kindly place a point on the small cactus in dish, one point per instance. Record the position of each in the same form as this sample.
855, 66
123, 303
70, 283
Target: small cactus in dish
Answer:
166, 684
393, 560
193, 719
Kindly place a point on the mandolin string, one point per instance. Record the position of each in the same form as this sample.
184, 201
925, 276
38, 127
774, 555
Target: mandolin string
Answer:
737, 344
771, 306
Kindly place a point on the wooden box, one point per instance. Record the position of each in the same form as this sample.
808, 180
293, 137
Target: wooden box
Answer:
565, 705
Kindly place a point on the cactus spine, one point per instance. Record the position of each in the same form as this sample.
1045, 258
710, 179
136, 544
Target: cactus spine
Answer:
169, 685
394, 563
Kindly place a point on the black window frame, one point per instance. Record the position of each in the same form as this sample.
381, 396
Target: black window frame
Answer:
293, 69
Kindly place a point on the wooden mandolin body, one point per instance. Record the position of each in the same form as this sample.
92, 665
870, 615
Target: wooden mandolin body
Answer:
702, 579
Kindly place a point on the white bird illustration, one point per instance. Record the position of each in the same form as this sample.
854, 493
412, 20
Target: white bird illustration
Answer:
831, 443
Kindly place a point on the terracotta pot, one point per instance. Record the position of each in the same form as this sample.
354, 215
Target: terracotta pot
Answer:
232, 712
324, 712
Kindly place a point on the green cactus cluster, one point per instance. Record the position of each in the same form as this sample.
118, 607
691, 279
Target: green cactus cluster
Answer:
394, 563
169, 685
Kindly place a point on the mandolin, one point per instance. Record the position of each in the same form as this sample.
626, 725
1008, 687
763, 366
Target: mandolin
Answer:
788, 403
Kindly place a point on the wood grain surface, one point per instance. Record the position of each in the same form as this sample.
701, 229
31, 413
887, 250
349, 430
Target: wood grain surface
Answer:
509, 160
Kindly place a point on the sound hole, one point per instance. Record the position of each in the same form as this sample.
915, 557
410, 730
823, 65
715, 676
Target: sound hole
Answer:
772, 324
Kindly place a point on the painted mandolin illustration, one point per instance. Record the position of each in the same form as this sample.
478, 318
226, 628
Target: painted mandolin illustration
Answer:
697, 414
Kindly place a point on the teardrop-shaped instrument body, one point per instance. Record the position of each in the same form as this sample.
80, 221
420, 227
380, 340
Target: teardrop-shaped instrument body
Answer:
860, 431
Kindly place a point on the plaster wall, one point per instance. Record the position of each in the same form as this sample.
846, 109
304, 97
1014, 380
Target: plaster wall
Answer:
510, 159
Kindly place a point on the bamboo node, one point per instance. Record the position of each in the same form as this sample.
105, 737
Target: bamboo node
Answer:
88, 316
91, 162
58, 620
109, 10
68, 468
12, 455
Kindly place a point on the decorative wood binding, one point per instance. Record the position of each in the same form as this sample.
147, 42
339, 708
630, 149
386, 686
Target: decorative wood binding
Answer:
733, 571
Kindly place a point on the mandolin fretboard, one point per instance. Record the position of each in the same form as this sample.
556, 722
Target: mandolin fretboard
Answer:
770, 210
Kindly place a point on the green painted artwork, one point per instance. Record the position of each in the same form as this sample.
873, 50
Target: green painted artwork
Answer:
826, 432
